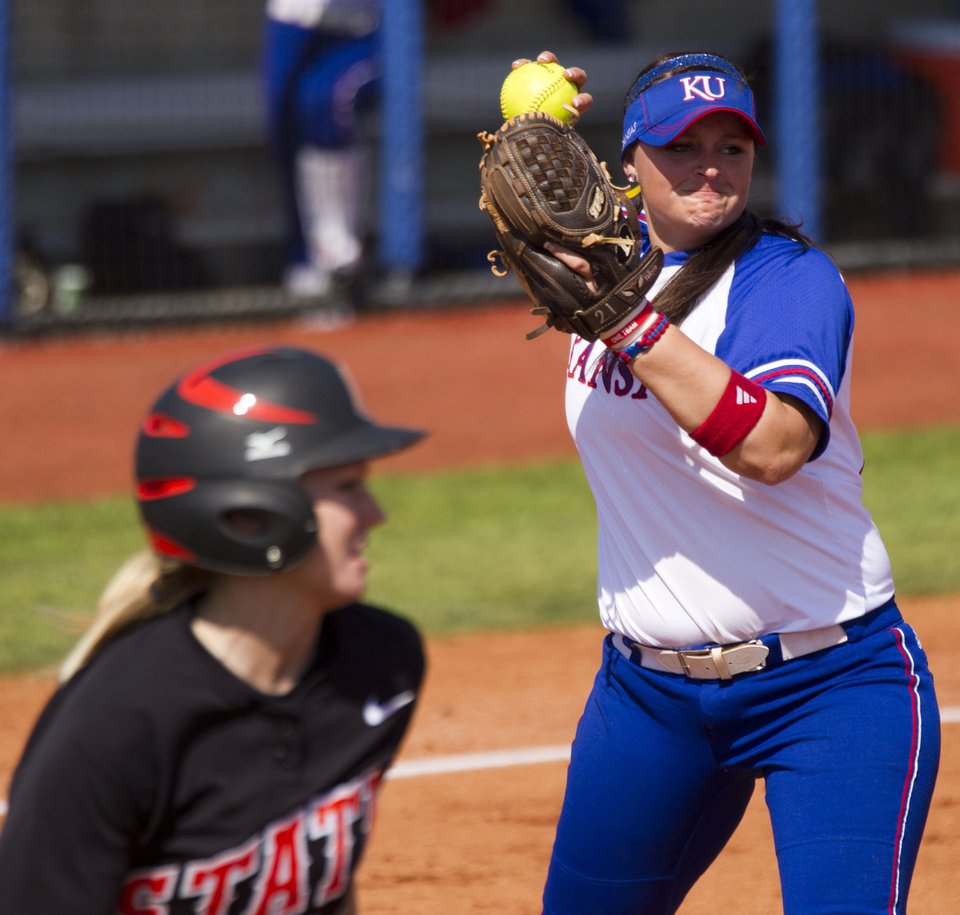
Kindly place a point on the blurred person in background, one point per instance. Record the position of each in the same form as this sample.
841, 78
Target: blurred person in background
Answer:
220, 734
321, 66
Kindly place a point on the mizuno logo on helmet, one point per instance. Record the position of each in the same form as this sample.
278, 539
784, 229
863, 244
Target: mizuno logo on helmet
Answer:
263, 445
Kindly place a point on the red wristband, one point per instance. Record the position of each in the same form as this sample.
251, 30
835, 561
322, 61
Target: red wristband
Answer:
736, 413
640, 320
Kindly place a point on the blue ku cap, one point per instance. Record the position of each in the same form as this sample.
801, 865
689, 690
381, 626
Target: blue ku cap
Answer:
660, 107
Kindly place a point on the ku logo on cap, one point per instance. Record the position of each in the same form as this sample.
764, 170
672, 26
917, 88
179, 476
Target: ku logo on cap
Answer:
700, 87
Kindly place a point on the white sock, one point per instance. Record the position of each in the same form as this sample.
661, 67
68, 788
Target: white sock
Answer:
328, 182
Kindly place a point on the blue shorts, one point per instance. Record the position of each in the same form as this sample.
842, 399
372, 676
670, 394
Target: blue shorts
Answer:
847, 741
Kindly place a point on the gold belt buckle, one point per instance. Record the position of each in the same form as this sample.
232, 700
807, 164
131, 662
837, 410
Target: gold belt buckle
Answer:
692, 654
724, 661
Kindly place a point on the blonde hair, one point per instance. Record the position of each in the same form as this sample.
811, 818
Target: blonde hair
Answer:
143, 587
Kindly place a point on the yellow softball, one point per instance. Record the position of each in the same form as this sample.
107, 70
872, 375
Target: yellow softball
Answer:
537, 86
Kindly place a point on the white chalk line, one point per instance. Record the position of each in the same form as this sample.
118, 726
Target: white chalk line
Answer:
499, 759
471, 762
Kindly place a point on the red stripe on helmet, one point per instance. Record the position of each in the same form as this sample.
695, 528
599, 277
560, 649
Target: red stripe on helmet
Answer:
163, 488
167, 547
201, 389
160, 425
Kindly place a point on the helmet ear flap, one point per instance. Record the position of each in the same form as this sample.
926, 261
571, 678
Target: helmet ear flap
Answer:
237, 526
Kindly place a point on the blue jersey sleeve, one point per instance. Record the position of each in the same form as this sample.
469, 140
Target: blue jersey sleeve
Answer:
789, 323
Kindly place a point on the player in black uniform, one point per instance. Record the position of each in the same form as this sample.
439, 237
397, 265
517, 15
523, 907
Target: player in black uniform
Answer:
222, 730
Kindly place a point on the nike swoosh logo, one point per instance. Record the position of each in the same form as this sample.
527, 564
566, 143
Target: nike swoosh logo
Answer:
375, 712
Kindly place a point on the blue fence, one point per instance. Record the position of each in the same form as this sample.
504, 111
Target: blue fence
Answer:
7, 233
797, 106
401, 156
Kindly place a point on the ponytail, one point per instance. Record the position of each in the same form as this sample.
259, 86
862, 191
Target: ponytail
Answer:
143, 587
706, 265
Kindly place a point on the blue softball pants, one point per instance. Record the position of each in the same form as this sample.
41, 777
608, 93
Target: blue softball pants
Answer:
662, 768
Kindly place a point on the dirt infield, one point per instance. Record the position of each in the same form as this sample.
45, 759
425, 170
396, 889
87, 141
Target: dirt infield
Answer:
486, 393
477, 841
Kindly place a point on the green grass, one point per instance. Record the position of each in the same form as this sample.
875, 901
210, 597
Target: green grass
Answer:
54, 560
463, 550
912, 487
488, 549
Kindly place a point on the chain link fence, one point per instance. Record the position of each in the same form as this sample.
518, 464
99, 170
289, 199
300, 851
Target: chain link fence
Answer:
144, 190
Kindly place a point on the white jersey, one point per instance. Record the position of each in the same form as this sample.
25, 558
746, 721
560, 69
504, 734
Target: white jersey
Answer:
690, 553
349, 14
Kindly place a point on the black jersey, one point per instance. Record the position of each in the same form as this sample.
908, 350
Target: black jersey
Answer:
156, 781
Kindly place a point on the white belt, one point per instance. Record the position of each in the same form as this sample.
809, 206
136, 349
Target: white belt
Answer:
725, 661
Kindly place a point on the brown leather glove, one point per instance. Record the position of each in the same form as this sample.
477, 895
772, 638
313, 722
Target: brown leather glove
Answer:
540, 182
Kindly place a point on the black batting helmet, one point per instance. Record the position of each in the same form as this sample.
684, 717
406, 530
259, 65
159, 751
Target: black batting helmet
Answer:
232, 438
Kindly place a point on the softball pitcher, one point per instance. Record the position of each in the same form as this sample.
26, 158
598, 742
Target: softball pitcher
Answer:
219, 740
753, 627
